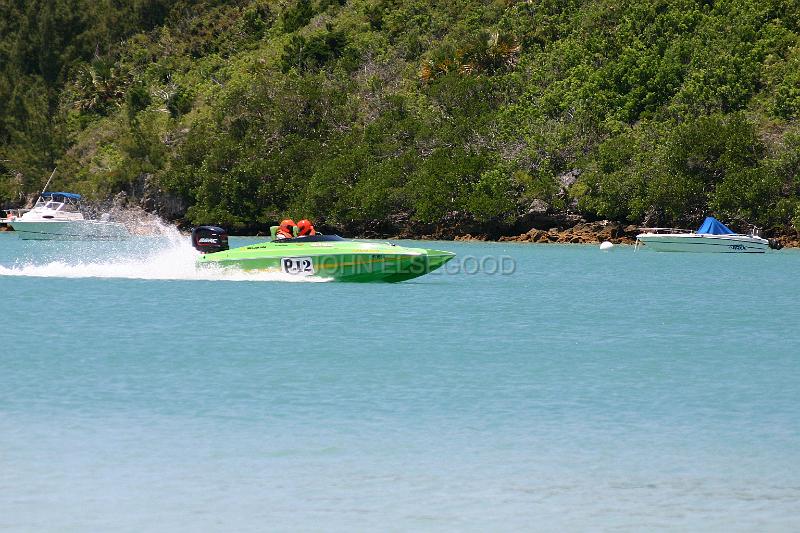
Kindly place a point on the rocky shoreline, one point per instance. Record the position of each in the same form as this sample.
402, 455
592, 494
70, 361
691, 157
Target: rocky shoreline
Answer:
541, 228
580, 233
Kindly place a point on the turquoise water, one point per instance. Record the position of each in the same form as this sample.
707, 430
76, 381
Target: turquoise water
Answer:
584, 391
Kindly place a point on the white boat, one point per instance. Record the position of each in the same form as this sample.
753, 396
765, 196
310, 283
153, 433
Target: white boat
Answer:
57, 216
712, 236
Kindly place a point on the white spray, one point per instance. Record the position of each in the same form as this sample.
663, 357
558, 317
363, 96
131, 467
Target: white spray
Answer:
156, 251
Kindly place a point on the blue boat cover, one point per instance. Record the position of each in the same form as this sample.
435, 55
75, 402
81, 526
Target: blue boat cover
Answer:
64, 194
714, 227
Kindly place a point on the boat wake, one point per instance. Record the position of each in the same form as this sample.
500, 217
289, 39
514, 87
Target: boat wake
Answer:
165, 254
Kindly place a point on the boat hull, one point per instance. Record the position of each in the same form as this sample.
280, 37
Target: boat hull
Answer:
692, 242
73, 230
353, 262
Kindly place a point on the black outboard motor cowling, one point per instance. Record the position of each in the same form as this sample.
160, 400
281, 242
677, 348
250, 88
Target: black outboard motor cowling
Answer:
209, 239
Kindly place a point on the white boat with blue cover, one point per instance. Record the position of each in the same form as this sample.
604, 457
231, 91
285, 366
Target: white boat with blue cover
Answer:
711, 236
58, 216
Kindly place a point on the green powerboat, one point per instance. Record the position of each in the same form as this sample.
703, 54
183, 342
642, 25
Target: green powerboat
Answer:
325, 256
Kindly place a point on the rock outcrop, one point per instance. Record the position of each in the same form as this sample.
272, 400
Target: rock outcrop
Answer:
581, 233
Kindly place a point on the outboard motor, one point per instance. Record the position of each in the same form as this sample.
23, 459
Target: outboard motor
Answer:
209, 239
775, 244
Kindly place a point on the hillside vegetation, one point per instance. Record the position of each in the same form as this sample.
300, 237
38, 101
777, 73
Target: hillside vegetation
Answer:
357, 112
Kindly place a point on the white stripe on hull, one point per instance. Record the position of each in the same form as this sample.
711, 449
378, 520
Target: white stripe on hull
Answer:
704, 243
77, 230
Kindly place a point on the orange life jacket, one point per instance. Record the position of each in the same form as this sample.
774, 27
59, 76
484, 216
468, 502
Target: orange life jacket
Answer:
306, 228
285, 230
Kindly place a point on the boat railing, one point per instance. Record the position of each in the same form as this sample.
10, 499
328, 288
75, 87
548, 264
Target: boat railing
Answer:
665, 230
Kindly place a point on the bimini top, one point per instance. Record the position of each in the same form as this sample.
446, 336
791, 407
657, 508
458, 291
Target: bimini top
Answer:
64, 194
712, 226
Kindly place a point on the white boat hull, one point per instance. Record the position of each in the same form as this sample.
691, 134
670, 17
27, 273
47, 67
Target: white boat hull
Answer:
72, 230
694, 242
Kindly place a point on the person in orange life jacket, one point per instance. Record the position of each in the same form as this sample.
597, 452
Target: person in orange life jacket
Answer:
305, 228
285, 230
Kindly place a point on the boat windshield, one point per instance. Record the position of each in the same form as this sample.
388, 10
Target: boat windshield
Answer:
57, 203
